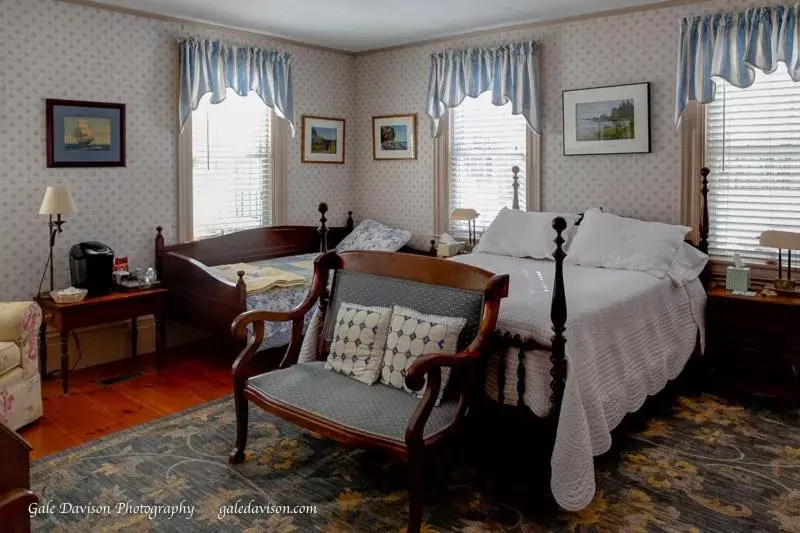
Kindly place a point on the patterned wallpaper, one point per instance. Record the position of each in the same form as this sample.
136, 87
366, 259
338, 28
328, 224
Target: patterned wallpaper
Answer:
56, 50
605, 51
52, 49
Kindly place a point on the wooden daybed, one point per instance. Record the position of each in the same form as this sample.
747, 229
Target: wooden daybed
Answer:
203, 300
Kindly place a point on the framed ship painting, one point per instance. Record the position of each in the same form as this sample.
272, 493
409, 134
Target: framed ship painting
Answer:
394, 137
85, 134
607, 120
323, 140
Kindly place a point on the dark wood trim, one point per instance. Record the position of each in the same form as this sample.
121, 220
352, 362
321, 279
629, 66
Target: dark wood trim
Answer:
704, 222
558, 315
50, 103
303, 139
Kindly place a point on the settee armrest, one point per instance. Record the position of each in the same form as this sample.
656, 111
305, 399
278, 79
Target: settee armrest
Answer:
18, 318
20, 323
257, 317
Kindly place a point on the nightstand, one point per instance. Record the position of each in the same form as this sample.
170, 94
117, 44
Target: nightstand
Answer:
753, 344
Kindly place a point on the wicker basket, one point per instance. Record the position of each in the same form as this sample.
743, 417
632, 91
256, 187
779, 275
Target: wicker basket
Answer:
60, 297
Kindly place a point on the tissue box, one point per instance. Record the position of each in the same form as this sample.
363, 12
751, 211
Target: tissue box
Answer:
737, 278
449, 250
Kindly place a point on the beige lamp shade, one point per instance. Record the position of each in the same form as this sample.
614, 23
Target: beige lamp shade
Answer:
785, 240
57, 201
463, 214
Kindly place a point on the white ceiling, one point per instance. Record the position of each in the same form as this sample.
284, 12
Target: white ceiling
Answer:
359, 25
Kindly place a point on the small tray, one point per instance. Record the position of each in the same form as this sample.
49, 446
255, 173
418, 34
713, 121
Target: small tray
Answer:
136, 285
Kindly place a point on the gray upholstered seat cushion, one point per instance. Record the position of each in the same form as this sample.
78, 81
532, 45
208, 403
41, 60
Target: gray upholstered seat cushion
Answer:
377, 409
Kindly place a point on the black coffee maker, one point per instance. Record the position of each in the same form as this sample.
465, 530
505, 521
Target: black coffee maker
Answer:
91, 266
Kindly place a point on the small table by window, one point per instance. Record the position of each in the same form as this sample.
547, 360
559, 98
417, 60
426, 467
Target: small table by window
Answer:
112, 307
754, 344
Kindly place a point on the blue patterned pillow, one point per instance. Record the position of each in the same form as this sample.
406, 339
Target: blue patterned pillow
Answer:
372, 235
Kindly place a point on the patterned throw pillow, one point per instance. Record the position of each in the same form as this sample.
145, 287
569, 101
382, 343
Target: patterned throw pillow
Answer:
372, 235
359, 338
412, 334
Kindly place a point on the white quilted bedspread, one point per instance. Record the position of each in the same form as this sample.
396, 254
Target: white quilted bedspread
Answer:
627, 332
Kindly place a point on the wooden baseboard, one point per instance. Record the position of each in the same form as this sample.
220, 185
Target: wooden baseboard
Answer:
101, 344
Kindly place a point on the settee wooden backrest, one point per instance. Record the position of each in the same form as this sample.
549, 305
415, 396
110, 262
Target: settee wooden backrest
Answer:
425, 284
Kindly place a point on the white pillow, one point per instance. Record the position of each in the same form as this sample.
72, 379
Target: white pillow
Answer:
359, 338
411, 335
518, 233
372, 235
687, 264
610, 241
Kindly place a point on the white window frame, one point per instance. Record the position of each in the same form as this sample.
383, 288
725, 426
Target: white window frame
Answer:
278, 151
441, 166
692, 132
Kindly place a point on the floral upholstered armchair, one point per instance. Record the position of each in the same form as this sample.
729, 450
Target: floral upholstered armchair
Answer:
20, 384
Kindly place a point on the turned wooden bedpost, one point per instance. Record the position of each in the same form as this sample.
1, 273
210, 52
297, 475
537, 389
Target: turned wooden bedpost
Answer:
241, 285
159, 249
323, 229
349, 225
515, 202
703, 243
558, 315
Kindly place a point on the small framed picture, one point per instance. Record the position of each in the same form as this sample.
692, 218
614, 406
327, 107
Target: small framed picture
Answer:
323, 140
394, 137
85, 134
607, 120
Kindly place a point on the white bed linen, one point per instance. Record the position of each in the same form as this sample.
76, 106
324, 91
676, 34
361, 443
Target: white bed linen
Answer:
627, 333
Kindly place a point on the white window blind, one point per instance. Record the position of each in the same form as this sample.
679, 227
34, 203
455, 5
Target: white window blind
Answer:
231, 165
753, 152
486, 141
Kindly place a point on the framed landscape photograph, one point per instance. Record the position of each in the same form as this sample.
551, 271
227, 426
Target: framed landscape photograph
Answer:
394, 137
84, 134
323, 140
607, 120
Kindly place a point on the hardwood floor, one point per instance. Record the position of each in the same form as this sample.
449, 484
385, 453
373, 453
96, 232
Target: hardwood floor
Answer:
191, 375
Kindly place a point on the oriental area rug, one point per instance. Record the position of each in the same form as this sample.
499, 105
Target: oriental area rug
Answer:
707, 465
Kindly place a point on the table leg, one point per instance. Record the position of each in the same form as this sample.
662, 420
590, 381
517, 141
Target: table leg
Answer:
43, 349
160, 338
64, 337
135, 339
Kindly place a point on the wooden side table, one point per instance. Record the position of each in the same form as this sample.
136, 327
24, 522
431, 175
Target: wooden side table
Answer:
754, 344
112, 307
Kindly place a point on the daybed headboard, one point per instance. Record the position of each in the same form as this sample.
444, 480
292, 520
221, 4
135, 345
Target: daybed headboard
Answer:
259, 243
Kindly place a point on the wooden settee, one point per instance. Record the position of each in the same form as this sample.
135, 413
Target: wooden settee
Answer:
377, 416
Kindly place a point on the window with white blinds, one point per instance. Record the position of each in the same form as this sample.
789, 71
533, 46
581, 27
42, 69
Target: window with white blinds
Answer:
486, 141
753, 152
231, 165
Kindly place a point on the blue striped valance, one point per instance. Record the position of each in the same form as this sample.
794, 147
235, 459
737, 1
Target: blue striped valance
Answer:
212, 67
511, 72
730, 46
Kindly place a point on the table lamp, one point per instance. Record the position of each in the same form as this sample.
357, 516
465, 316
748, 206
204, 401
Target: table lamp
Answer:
469, 215
57, 201
782, 240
